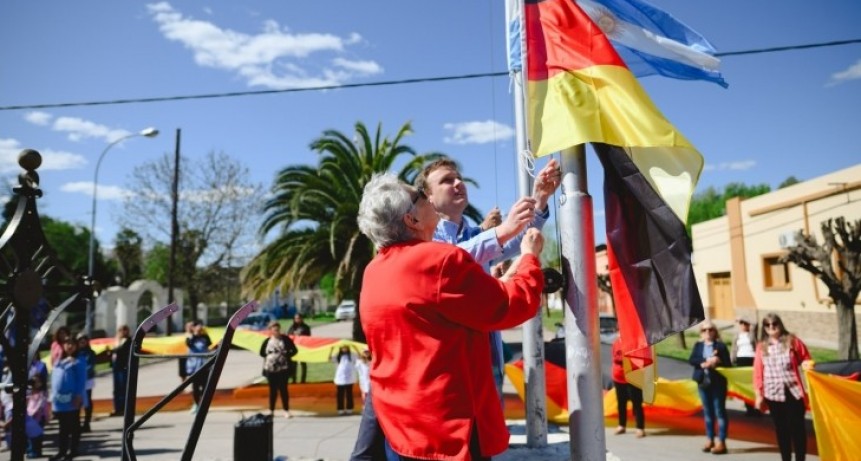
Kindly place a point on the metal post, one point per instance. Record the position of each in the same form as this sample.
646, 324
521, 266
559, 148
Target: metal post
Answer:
174, 230
582, 341
533, 335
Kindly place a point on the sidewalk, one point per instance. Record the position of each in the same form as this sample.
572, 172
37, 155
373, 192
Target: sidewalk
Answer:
316, 433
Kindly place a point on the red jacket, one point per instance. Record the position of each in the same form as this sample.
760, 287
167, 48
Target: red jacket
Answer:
426, 309
797, 354
618, 357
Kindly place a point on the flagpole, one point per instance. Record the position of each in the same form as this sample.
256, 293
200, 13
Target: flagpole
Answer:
533, 337
582, 341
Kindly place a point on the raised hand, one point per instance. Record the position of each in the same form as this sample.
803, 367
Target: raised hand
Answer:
493, 219
546, 182
522, 213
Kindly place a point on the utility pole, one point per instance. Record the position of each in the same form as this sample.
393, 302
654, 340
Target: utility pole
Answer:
174, 231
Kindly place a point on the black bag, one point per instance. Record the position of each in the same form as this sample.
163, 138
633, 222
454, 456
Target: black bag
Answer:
252, 438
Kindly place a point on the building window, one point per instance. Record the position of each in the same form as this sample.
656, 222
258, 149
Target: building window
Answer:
775, 273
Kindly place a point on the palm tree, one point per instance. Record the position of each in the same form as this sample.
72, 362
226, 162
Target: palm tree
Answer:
315, 210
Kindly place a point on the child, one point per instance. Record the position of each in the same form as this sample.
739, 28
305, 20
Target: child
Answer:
39, 409
363, 367
68, 384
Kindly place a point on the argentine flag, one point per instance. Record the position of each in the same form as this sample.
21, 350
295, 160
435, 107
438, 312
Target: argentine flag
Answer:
651, 41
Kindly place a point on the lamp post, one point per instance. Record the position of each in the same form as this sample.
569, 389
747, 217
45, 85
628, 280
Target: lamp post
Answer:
91, 265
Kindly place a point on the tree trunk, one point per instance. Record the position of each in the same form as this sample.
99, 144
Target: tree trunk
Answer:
847, 338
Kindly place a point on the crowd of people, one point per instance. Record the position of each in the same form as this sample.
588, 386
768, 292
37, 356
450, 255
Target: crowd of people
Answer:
62, 390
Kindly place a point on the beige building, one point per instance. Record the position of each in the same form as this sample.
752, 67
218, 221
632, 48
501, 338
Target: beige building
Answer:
736, 257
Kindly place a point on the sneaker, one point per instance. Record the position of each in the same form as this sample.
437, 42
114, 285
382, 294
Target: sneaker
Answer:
641, 433
287, 414
619, 430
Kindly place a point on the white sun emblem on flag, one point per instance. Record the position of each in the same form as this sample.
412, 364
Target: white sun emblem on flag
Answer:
607, 22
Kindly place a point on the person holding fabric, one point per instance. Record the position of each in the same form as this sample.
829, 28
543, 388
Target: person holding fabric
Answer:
432, 386
197, 343
709, 353
68, 384
345, 377
87, 358
276, 351
742, 352
298, 328
777, 384
363, 369
120, 368
495, 241
625, 392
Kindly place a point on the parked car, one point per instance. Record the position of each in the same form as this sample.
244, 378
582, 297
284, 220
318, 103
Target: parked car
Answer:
608, 328
256, 321
346, 310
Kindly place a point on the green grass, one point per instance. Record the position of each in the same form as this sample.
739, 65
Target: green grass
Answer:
671, 347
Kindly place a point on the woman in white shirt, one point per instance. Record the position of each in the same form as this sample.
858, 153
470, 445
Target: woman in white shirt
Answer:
742, 352
345, 377
363, 367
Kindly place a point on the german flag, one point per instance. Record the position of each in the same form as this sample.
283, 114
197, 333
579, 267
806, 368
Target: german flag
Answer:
580, 91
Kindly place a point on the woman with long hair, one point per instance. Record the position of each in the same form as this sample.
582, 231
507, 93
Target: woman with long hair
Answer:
709, 353
277, 350
778, 386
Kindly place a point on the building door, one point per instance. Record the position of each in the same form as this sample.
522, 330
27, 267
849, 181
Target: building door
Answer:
720, 296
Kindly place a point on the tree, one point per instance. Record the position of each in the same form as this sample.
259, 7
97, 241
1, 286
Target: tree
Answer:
314, 210
788, 182
128, 251
711, 203
217, 208
837, 263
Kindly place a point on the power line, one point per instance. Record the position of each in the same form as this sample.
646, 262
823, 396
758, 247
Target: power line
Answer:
408, 81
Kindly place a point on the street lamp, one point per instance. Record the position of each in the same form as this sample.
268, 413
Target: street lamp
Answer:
146, 132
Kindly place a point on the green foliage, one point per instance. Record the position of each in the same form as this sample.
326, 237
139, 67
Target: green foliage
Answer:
711, 203
128, 251
788, 182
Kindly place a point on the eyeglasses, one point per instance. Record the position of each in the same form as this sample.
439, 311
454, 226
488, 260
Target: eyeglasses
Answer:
420, 195
707, 329
770, 324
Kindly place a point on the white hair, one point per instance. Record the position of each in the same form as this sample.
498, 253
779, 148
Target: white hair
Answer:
385, 201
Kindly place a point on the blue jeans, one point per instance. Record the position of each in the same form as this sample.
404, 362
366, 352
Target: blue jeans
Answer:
713, 399
120, 381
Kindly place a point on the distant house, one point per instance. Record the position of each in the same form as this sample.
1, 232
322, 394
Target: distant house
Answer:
736, 257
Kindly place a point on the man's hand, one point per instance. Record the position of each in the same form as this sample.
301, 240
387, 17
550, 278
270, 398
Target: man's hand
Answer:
493, 219
522, 213
532, 243
546, 182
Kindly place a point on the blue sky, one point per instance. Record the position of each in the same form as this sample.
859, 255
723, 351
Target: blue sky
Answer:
788, 113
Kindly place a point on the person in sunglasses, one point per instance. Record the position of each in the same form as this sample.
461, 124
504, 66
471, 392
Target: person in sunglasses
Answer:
778, 387
708, 354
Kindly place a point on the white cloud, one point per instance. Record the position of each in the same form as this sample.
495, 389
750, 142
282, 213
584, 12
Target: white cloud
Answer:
360, 67
853, 72
38, 118
739, 165
477, 132
51, 159
270, 58
104, 192
79, 129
